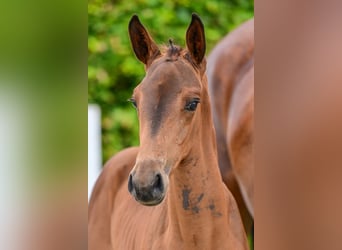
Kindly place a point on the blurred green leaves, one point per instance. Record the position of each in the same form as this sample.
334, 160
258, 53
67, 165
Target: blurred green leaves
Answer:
113, 70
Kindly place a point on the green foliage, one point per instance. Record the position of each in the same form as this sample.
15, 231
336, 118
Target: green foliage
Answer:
113, 70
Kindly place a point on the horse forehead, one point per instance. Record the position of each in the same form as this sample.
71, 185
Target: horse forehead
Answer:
167, 76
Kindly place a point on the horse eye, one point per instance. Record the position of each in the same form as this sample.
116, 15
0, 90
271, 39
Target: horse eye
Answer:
134, 103
192, 105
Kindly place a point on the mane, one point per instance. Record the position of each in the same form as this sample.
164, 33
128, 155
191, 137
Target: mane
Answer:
172, 51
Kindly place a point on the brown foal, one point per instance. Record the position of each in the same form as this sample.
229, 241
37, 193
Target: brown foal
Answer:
176, 198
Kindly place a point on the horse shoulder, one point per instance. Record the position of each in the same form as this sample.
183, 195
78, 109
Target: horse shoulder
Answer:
101, 203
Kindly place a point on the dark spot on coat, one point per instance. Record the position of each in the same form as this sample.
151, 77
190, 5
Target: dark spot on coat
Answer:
195, 209
213, 210
186, 200
200, 197
211, 207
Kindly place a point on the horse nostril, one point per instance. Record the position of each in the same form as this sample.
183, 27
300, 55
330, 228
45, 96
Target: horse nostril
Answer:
158, 183
130, 183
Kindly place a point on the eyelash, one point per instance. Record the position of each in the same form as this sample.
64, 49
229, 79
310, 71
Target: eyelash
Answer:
133, 102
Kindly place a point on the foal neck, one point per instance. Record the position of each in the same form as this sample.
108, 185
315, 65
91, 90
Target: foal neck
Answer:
197, 202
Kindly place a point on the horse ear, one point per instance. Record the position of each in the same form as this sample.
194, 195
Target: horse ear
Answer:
143, 45
195, 39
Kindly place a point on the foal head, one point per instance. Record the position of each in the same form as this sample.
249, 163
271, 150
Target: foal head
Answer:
170, 102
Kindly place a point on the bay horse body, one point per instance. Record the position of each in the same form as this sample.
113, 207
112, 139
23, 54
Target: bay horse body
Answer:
231, 86
176, 198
